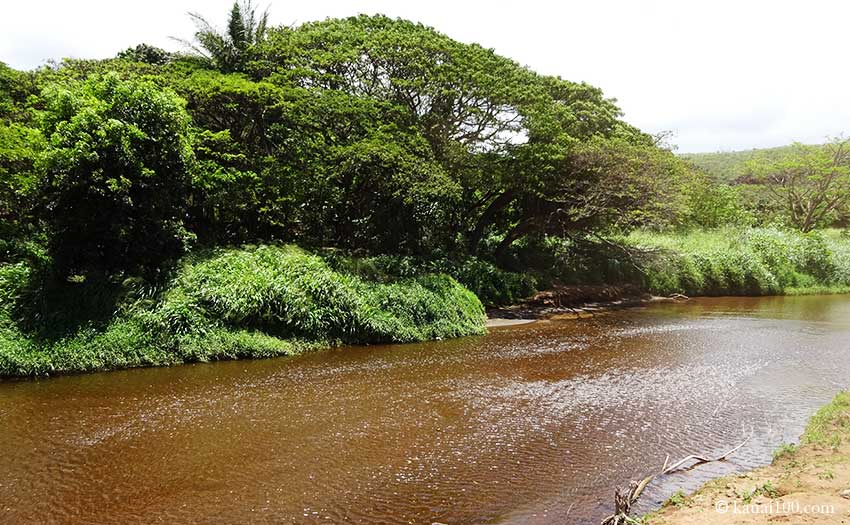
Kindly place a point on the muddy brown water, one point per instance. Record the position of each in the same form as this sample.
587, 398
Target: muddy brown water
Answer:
530, 424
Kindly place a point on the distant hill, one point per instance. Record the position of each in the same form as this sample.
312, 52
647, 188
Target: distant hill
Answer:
729, 165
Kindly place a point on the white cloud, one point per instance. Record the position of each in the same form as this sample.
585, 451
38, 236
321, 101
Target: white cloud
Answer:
720, 74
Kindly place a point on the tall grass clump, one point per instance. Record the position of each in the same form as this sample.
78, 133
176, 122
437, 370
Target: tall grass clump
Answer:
757, 261
259, 301
289, 292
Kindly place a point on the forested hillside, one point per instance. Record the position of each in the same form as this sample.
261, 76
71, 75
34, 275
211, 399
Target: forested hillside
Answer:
728, 166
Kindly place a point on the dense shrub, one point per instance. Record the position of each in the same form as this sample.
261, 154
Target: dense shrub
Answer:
290, 292
492, 285
840, 261
13, 278
116, 174
578, 260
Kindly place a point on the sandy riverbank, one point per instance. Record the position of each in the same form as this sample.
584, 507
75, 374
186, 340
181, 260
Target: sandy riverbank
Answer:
809, 483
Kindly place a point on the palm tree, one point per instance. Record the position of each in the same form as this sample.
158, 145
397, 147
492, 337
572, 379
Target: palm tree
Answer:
228, 50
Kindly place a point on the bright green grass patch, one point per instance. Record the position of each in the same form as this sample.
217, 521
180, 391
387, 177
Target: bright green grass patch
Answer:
756, 261
289, 292
831, 424
261, 301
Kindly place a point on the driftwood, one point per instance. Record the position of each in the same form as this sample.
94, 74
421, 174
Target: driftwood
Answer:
624, 499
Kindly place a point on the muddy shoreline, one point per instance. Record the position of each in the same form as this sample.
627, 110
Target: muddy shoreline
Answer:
576, 301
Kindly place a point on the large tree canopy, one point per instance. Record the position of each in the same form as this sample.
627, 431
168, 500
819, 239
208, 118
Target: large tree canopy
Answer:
365, 133
500, 134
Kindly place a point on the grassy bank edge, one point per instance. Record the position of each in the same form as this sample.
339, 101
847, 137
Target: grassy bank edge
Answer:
824, 444
817, 290
278, 300
250, 302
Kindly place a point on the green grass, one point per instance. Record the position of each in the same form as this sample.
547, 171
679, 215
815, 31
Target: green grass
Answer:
677, 499
253, 302
784, 450
826, 475
755, 261
492, 285
820, 289
831, 424
265, 301
767, 489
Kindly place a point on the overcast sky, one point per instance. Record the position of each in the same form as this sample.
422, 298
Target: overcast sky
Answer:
721, 75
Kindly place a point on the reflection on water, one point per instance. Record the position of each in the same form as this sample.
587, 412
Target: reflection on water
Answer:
532, 424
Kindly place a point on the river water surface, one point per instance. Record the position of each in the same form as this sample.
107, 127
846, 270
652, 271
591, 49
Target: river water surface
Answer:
532, 424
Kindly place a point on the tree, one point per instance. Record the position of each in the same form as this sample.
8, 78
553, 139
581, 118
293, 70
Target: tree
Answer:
568, 115
116, 175
383, 134
15, 88
453, 93
712, 203
229, 50
497, 131
20, 145
602, 184
19, 149
147, 54
810, 183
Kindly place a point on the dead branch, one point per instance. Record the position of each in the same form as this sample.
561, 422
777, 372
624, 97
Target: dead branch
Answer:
625, 499
700, 459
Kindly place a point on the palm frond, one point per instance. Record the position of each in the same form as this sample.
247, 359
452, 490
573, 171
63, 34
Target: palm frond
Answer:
227, 49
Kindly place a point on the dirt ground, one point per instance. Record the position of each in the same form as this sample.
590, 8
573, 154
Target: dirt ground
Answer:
809, 484
575, 301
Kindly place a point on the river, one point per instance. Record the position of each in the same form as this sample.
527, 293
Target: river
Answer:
532, 424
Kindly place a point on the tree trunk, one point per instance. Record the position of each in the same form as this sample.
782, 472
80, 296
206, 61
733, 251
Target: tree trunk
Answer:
520, 230
486, 219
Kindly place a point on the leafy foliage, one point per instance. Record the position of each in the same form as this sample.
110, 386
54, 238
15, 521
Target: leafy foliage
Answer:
147, 54
491, 284
714, 205
729, 166
811, 184
20, 147
228, 50
414, 167
297, 294
116, 175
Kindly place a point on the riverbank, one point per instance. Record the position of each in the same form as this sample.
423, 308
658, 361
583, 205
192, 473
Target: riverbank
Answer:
749, 261
806, 483
252, 302
278, 300
669, 265
576, 302
576, 299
